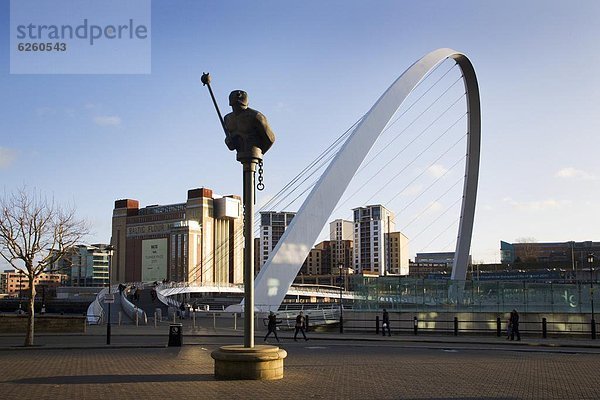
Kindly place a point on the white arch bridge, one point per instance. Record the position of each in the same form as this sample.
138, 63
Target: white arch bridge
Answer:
284, 263
165, 292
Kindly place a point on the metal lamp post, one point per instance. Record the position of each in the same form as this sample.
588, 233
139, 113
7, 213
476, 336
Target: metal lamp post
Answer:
590, 260
341, 299
110, 249
20, 289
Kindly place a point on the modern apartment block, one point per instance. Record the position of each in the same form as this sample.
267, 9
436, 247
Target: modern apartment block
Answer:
341, 236
272, 226
378, 249
86, 265
200, 240
371, 223
398, 254
318, 261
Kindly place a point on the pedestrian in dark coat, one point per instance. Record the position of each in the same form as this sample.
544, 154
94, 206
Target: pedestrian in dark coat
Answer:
386, 323
300, 325
272, 325
514, 324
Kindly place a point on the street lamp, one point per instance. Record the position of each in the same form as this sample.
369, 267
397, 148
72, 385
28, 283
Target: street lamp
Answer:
341, 268
590, 260
109, 249
20, 289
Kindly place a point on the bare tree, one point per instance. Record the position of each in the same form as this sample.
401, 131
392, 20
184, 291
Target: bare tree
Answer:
35, 233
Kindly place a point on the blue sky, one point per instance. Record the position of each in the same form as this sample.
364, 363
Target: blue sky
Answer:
313, 68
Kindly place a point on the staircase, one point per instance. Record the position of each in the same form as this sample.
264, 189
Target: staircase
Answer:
146, 303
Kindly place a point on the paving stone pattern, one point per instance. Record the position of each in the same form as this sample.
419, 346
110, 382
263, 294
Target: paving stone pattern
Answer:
316, 370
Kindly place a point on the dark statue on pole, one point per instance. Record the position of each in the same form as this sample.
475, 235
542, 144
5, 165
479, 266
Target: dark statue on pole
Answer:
248, 132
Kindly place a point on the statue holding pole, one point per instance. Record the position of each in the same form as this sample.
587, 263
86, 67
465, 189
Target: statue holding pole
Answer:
249, 134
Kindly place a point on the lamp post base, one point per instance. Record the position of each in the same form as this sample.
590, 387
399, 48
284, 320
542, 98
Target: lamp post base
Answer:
261, 362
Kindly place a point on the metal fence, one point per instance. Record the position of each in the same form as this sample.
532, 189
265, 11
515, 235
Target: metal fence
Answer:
411, 325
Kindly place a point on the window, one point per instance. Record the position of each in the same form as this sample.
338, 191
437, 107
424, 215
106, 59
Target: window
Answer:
376, 212
265, 219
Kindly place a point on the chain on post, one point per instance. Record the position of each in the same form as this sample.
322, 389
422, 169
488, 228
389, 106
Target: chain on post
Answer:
260, 185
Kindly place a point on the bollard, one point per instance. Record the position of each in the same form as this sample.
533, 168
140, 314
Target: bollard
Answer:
175, 335
377, 324
235, 321
455, 326
174, 316
214, 321
155, 319
416, 325
120, 317
498, 327
544, 328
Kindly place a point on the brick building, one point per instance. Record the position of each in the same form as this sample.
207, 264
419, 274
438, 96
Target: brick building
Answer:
200, 240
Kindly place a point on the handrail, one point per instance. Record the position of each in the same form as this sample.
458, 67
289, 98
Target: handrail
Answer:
131, 309
95, 311
166, 300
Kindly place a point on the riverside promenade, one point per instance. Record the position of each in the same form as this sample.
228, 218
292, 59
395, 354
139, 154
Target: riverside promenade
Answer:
138, 365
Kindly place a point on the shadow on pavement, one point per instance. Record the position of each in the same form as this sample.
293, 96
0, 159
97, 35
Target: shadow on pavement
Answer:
96, 379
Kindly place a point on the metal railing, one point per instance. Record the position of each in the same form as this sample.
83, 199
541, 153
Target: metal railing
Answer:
95, 311
541, 328
137, 315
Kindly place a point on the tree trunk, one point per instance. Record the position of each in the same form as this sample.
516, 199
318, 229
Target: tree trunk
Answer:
30, 312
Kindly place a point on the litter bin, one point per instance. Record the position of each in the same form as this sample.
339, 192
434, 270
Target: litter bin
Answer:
175, 335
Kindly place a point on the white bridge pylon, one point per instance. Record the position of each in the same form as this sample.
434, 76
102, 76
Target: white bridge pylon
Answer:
280, 270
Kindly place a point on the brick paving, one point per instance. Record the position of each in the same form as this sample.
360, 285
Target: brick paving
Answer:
317, 369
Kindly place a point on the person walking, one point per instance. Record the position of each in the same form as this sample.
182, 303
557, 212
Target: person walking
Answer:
514, 324
300, 326
386, 323
182, 310
272, 326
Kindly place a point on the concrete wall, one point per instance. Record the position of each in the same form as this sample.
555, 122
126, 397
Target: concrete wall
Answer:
43, 324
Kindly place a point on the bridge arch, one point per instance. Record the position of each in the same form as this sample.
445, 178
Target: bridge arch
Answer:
278, 273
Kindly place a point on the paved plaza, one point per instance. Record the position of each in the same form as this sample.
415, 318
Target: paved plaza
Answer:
138, 366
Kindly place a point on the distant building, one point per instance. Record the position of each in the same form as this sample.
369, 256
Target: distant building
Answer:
373, 253
341, 236
439, 258
566, 253
14, 283
429, 269
200, 240
434, 263
272, 226
86, 265
256, 255
398, 253
318, 261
